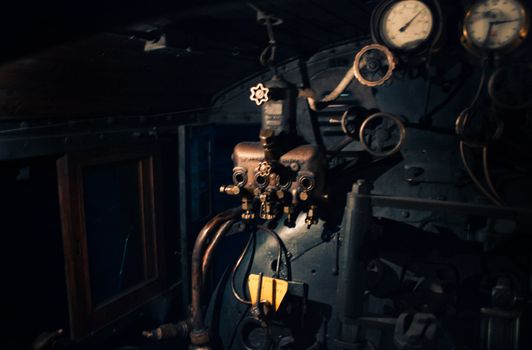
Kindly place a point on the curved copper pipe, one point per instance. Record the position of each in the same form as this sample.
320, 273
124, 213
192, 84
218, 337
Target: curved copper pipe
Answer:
199, 333
207, 256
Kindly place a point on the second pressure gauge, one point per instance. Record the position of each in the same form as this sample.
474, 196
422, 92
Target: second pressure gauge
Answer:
495, 25
406, 25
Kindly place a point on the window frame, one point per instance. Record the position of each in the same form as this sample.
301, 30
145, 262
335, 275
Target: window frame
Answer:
86, 318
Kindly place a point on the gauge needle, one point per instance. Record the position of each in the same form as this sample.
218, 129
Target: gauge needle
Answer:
505, 21
403, 28
490, 25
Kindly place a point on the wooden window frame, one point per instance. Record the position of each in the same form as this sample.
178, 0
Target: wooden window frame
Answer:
86, 318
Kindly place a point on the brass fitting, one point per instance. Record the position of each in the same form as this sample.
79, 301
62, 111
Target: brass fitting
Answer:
267, 140
288, 210
231, 190
248, 215
312, 216
247, 204
304, 196
266, 207
247, 207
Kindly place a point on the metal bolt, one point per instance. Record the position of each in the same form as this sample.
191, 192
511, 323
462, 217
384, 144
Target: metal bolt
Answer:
294, 166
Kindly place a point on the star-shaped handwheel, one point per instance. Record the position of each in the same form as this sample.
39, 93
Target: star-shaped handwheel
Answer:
264, 169
259, 94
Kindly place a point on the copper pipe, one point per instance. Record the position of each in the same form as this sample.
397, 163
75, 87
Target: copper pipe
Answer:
474, 178
487, 175
207, 257
199, 334
237, 265
316, 104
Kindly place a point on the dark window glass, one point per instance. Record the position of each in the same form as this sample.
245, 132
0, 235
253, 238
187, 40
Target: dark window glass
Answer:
113, 216
200, 177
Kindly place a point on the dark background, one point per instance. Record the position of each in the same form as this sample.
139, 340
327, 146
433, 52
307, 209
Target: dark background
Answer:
87, 58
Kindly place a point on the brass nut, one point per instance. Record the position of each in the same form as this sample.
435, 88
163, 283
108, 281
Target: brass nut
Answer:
240, 177
306, 182
261, 181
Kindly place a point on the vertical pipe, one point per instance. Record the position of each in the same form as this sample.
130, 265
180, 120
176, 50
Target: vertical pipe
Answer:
209, 251
199, 334
351, 275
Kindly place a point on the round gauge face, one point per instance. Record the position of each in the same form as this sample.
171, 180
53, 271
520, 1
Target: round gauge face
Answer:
406, 24
495, 24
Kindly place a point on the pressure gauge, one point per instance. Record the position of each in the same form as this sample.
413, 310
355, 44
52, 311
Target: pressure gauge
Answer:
405, 25
495, 25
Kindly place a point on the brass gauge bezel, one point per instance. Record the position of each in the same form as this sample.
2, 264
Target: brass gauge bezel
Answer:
432, 42
389, 57
480, 51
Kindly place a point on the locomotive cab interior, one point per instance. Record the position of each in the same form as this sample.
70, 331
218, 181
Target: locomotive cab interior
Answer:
266, 175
